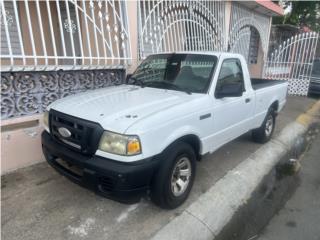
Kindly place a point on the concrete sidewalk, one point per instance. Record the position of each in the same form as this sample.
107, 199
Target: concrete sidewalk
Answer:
300, 217
38, 203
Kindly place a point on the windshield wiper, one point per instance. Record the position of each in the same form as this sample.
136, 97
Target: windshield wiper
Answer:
171, 86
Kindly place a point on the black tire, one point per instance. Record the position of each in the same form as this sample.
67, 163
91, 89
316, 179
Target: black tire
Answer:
263, 134
162, 192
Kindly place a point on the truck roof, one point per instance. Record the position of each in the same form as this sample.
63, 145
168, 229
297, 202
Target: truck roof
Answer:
213, 53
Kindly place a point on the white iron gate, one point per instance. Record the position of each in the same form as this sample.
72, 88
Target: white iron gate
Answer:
247, 29
170, 25
180, 25
292, 62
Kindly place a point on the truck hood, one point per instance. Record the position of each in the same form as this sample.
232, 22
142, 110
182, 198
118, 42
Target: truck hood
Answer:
117, 108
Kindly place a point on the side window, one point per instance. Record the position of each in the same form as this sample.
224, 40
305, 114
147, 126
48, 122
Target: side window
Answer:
230, 74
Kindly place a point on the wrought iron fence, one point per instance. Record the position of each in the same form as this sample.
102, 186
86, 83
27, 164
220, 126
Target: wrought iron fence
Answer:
292, 61
69, 34
244, 24
173, 25
169, 25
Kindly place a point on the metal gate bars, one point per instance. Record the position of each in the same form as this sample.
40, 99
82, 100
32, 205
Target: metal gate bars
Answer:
293, 61
181, 26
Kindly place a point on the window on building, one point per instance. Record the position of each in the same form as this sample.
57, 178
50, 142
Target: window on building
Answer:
12, 29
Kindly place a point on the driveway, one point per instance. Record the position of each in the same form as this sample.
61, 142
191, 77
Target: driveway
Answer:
38, 203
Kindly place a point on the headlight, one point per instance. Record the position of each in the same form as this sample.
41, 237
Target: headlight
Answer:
46, 119
120, 144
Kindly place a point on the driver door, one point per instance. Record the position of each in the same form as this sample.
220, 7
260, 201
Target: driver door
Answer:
231, 114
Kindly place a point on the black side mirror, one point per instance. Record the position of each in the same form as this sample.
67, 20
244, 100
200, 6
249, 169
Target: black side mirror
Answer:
128, 77
230, 90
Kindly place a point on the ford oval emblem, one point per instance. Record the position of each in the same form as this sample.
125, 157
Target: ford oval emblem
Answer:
64, 132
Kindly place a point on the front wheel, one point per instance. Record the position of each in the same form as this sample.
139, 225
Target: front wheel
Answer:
174, 179
264, 133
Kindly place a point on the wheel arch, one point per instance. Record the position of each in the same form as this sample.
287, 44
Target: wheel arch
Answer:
275, 105
192, 139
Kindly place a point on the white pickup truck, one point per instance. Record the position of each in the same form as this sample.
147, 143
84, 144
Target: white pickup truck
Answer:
146, 136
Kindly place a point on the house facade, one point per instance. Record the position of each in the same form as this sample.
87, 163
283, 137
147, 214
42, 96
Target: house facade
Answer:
51, 49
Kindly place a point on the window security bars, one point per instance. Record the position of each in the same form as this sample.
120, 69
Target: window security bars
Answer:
51, 35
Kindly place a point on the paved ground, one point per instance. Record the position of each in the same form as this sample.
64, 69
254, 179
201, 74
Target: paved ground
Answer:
300, 217
38, 203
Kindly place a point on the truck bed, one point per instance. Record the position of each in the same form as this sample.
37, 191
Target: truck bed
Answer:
258, 83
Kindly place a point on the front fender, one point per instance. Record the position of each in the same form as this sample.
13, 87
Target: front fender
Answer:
178, 134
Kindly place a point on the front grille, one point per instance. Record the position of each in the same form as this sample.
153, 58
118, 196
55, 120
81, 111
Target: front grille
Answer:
85, 135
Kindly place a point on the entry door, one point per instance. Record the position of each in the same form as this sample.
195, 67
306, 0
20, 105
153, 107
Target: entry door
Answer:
231, 114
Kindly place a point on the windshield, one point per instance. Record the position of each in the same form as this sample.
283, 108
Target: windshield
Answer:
181, 72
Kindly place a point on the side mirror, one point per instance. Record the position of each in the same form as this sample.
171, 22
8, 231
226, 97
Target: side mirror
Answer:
128, 77
230, 90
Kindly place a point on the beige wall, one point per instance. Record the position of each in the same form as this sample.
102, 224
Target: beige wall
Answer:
21, 142
133, 28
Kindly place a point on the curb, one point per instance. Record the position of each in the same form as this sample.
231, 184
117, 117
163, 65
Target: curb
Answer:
213, 211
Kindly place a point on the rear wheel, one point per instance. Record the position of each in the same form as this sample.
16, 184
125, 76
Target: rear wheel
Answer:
264, 133
174, 179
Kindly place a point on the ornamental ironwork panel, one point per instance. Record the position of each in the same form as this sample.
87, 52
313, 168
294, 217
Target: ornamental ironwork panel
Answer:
243, 23
27, 93
293, 61
53, 34
167, 26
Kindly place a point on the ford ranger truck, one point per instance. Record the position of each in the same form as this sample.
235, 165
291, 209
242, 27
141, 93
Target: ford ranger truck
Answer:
147, 135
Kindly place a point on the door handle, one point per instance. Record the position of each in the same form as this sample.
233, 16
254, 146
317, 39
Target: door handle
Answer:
248, 100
